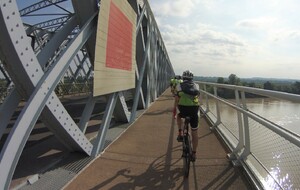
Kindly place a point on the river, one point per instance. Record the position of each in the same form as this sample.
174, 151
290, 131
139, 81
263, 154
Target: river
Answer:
283, 113
280, 112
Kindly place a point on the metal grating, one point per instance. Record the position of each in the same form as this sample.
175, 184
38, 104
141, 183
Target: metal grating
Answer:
57, 178
279, 156
77, 166
230, 119
51, 180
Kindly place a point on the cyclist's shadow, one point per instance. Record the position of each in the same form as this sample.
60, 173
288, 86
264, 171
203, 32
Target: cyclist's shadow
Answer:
165, 172
158, 175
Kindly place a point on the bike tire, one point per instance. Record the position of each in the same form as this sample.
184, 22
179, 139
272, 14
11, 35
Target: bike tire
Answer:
187, 156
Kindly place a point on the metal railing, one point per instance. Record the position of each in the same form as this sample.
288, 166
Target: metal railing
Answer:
268, 152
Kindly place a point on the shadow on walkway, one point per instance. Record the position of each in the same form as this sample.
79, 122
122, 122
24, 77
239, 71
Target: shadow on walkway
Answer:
147, 156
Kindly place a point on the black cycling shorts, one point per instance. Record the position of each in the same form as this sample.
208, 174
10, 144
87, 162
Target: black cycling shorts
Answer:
192, 112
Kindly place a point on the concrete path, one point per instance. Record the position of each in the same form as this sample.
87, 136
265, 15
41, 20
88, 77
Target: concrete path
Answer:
147, 156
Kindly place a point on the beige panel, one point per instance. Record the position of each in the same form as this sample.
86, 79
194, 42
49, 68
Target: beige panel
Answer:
108, 80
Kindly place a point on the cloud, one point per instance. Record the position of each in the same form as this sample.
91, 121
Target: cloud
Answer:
210, 4
174, 8
202, 47
286, 35
275, 29
258, 23
202, 41
241, 37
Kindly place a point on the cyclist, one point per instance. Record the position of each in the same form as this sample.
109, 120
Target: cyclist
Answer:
174, 81
188, 105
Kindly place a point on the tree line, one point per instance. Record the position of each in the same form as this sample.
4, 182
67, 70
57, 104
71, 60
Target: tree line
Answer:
282, 85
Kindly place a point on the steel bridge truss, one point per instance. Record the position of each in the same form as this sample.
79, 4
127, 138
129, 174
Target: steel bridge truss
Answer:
35, 62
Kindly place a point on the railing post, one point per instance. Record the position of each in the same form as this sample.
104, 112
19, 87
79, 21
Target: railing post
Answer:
246, 127
235, 155
217, 109
206, 99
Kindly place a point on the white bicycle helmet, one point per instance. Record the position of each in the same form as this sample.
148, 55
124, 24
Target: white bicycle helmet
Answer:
187, 75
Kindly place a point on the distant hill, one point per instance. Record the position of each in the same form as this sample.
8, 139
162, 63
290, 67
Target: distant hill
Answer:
206, 79
263, 80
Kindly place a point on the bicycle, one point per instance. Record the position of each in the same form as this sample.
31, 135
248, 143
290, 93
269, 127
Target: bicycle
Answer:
187, 149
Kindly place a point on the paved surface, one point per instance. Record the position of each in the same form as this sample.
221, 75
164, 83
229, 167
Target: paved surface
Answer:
147, 156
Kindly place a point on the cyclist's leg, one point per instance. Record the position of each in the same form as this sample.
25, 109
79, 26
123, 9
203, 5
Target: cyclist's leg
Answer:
180, 115
175, 108
179, 123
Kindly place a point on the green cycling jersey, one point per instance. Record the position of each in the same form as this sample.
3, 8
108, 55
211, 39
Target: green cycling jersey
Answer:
187, 99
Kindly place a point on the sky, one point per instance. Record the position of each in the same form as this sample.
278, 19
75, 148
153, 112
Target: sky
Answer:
248, 38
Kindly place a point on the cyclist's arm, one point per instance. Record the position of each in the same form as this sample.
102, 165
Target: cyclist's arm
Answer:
178, 89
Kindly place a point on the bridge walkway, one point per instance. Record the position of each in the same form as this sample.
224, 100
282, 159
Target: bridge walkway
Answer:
147, 156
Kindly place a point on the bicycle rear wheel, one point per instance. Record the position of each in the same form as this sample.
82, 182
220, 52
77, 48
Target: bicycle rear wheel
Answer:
187, 152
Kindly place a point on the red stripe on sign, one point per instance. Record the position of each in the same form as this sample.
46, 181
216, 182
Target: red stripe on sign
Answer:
119, 40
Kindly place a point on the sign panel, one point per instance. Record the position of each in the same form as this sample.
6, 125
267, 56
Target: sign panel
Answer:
114, 68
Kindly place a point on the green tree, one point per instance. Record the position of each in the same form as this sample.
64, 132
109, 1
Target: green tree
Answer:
268, 86
233, 79
221, 80
251, 84
296, 87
